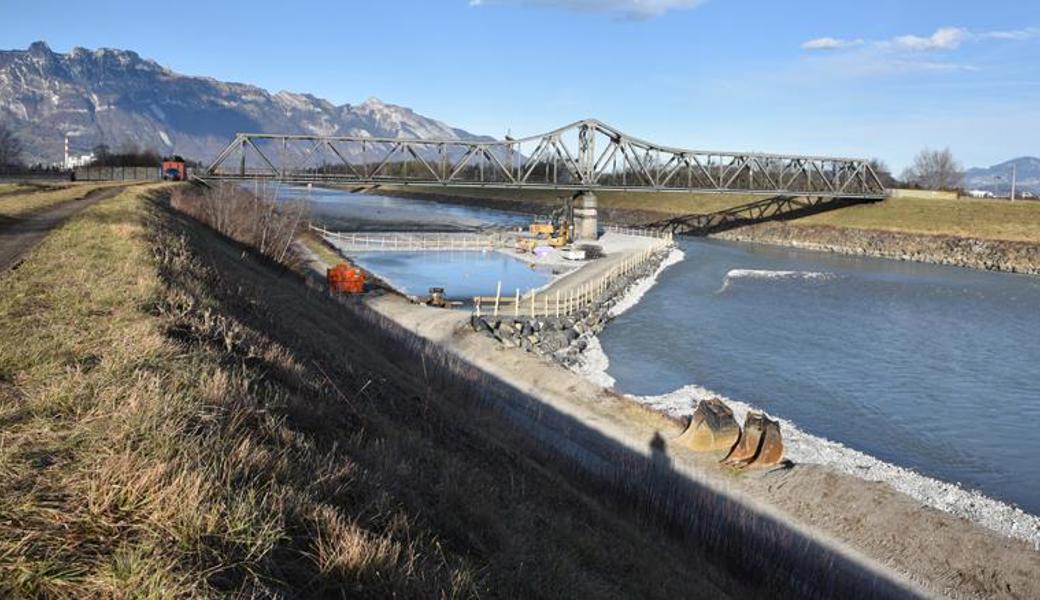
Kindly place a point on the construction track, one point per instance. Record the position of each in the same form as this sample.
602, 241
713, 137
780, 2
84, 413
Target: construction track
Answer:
19, 235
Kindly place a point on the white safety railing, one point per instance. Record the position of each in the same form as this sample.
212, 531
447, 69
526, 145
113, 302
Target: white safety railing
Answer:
639, 231
409, 241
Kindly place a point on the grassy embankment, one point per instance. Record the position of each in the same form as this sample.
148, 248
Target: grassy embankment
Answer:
33, 199
985, 219
182, 417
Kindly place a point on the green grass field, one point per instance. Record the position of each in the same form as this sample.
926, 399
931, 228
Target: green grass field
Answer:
985, 219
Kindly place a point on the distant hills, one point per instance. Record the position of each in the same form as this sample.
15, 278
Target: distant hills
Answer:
997, 179
116, 97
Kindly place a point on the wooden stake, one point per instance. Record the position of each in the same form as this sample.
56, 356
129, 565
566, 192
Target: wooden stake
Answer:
498, 296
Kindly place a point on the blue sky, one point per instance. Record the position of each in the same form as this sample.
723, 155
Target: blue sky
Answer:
882, 78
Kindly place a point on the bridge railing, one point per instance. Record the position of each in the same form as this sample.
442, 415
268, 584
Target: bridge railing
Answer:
587, 155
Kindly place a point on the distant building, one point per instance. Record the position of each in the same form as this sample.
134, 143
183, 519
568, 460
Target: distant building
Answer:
73, 162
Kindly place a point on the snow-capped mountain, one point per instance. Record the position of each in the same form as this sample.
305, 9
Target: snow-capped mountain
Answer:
997, 178
116, 97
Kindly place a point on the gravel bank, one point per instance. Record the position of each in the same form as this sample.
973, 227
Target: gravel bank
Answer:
992, 255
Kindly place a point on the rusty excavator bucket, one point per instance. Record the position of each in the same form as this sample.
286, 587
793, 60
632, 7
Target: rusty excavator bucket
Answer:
760, 445
712, 428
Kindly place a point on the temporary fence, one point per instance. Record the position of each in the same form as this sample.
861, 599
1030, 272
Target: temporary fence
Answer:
408, 241
564, 300
118, 174
639, 231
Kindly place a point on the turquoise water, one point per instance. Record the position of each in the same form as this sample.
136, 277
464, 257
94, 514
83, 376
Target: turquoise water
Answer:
461, 274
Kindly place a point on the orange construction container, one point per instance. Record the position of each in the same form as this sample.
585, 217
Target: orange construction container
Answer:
346, 279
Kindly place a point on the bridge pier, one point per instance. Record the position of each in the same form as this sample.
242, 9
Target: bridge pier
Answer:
586, 220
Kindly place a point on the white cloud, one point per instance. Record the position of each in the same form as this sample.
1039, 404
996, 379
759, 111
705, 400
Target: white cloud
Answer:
1017, 34
632, 8
829, 43
944, 38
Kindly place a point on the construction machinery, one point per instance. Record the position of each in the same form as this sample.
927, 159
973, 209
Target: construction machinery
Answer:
714, 429
174, 169
555, 230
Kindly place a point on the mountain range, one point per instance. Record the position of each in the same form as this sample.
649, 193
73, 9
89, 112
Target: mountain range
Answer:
117, 98
997, 178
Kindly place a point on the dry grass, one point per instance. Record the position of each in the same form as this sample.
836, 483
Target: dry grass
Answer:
986, 219
14, 205
320, 247
254, 220
183, 418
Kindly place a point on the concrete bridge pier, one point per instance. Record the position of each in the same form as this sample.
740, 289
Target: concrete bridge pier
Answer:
586, 221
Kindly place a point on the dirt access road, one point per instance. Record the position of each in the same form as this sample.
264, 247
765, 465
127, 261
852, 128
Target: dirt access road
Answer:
19, 235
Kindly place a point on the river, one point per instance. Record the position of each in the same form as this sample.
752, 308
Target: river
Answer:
928, 367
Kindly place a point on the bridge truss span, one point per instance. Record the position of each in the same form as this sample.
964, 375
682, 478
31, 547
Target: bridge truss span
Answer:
584, 156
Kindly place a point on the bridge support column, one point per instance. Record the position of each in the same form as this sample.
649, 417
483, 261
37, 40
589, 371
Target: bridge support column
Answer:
586, 221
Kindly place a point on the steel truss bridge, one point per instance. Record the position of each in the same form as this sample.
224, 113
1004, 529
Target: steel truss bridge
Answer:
583, 156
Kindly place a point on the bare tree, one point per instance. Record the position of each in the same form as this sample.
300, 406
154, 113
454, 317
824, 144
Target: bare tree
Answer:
935, 170
10, 148
883, 172
256, 219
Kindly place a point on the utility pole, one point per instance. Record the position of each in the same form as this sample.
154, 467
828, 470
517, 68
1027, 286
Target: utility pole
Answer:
1013, 174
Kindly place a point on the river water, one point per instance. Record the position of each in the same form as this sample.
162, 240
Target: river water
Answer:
928, 367
462, 274
342, 210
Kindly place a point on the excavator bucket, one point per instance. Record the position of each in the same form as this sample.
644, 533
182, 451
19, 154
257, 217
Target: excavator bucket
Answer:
760, 446
747, 445
770, 449
712, 428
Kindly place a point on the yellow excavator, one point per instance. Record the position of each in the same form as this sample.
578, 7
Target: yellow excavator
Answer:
555, 231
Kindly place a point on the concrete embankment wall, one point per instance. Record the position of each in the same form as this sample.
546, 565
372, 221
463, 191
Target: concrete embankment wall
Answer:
750, 544
994, 255
930, 194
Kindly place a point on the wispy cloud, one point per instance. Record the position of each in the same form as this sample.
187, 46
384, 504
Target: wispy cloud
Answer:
829, 43
641, 9
944, 38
